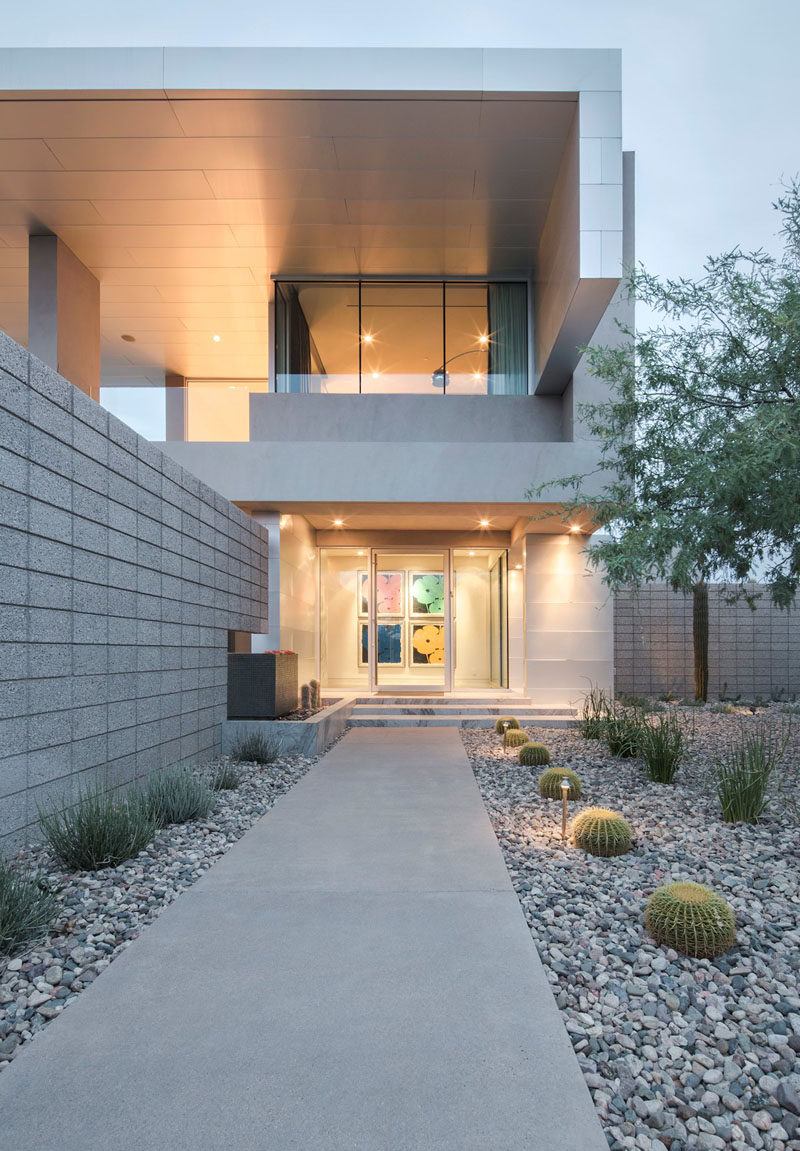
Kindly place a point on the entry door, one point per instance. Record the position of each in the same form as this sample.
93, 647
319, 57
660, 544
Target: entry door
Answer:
410, 620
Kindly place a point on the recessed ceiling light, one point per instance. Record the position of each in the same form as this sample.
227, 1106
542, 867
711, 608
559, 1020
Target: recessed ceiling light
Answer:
216, 339
376, 375
367, 337
338, 523
472, 553
128, 338
518, 567
361, 552
575, 527
483, 340
484, 523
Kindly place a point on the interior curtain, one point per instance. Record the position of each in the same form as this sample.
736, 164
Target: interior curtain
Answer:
293, 348
508, 346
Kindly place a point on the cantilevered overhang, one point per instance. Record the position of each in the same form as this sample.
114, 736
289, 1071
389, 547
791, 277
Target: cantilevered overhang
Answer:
185, 179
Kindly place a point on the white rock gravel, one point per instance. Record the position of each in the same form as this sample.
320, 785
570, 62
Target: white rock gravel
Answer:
678, 1053
102, 912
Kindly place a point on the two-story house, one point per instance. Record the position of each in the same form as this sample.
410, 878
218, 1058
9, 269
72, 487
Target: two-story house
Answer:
349, 290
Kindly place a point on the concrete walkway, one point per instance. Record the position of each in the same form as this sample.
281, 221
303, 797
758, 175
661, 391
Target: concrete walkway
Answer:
355, 974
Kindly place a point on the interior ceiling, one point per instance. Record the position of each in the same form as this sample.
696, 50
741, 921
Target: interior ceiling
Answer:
185, 207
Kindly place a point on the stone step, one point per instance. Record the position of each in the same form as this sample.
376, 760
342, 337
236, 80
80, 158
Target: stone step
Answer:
457, 719
441, 708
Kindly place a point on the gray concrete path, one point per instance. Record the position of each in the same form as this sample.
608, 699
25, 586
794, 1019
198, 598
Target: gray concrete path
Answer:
355, 974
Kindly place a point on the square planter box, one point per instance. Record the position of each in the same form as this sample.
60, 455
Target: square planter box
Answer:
262, 686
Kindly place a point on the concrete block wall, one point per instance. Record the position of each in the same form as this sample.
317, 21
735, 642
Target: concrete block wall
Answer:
120, 576
749, 652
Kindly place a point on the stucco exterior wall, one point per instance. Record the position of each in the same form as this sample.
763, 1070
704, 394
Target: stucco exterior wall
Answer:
569, 622
299, 564
120, 576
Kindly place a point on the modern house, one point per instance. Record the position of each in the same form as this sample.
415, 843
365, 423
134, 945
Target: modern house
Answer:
348, 290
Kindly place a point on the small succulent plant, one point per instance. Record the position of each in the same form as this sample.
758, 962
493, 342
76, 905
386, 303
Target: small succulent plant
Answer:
534, 754
550, 783
503, 721
516, 738
691, 919
305, 697
315, 693
602, 832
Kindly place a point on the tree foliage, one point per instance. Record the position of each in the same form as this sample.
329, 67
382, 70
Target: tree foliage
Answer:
699, 473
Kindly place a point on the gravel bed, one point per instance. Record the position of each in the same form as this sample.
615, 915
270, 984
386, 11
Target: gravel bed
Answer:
102, 912
677, 1053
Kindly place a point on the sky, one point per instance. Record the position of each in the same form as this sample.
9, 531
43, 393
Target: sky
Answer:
711, 88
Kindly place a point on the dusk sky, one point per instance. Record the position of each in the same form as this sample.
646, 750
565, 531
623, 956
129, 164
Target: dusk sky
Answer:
711, 88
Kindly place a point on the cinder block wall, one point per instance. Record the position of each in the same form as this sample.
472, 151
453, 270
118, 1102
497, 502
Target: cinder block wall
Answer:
749, 652
120, 575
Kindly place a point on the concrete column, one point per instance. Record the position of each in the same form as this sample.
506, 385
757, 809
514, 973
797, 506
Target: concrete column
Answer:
175, 404
64, 313
569, 622
271, 640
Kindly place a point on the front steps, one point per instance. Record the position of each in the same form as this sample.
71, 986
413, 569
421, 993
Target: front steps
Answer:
450, 711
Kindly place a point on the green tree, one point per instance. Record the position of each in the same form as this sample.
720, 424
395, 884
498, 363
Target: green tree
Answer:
699, 469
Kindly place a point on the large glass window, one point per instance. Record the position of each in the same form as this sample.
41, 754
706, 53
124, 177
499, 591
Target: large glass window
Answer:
430, 338
316, 337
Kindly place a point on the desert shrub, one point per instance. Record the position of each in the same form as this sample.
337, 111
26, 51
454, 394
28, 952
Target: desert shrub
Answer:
723, 709
533, 754
594, 712
743, 775
26, 908
691, 919
516, 738
640, 703
509, 719
99, 829
662, 746
176, 795
226, 776
602, 832
550, 783
254, 748
622, 733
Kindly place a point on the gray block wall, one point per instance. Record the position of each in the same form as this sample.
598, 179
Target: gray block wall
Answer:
120, 576
749, 652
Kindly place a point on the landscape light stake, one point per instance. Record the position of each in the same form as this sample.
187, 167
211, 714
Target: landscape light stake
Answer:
506, 726
564, 794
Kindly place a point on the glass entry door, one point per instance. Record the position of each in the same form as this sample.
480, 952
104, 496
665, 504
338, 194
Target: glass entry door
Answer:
410, 617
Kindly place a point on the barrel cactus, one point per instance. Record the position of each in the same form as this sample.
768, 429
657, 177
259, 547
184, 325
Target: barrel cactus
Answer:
602, 832
691, 919
550, 783
503, 721
516, 738
534, 755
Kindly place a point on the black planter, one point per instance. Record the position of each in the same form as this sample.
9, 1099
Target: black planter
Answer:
262, 686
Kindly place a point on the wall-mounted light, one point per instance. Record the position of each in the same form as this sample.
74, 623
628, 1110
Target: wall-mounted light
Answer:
367, 337
483, 340
376, 375
338, 523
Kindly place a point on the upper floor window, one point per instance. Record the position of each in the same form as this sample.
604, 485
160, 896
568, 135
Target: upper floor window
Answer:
426, 338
